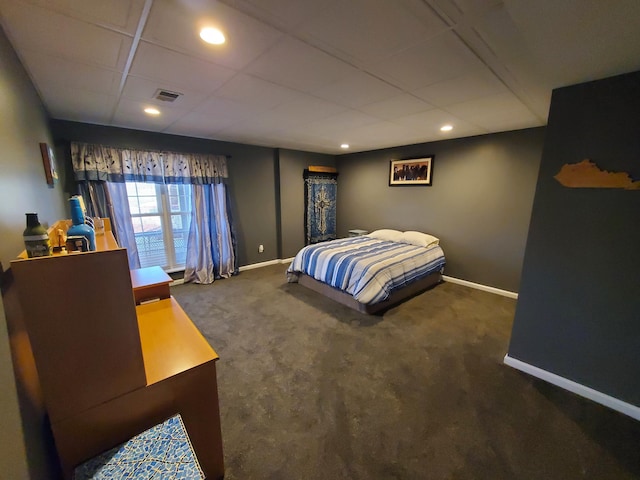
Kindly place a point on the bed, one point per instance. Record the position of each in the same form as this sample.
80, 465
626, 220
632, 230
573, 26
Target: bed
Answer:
371, 272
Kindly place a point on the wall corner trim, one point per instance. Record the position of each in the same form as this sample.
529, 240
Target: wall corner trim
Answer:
632, 411
478, 286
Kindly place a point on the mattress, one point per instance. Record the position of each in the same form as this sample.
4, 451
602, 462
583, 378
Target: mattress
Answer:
367, 268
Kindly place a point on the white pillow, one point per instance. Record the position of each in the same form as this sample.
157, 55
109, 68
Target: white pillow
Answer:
387, 234
418, 238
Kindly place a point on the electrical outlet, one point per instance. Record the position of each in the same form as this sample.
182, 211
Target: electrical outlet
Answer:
260, 248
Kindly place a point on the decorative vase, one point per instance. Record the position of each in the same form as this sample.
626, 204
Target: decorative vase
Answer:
79, 227
36, 238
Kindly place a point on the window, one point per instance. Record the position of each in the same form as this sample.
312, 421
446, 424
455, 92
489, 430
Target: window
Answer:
160, 215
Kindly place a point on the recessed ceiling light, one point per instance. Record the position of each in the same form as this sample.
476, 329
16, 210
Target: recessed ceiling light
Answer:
446, 128
152, 111
344, 146
212, 35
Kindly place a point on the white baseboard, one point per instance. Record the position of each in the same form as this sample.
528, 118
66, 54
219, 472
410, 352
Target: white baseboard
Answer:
577, 388
276, 261
478, 286
177, 281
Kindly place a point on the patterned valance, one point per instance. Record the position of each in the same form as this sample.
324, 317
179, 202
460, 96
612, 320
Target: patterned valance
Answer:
101, 162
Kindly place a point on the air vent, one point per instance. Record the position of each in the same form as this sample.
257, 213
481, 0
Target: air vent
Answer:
166, 95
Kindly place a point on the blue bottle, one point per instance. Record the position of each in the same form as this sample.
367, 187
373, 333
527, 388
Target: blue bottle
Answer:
79, 228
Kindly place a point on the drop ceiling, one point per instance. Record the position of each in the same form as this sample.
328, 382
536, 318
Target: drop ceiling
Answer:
314, 74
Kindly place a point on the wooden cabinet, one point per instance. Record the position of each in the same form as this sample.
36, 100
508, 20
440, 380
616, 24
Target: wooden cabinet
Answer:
109, 368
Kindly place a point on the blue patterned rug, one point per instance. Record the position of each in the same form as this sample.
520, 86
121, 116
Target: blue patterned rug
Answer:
162, 452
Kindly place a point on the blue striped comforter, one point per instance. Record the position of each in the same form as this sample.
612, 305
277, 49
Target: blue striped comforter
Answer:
367, 268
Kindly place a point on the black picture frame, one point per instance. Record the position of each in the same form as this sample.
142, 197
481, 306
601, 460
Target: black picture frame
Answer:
413, 171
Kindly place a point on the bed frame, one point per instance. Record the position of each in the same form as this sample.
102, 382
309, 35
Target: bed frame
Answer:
396, 297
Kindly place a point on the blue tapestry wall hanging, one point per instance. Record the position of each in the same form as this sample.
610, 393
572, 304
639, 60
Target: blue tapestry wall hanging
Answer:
320, 206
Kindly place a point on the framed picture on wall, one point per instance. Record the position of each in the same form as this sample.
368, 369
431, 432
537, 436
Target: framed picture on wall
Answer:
415, 171
49, 162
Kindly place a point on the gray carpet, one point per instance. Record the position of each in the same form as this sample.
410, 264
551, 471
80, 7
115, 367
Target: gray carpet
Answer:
310, 389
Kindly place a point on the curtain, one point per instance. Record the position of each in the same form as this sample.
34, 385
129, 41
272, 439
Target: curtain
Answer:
109, 199
211, 242
211, 246
121, 220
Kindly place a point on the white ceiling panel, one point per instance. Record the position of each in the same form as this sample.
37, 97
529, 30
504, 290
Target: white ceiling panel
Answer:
121, 15
57, 35
255, 91
177, 25
285, 14
75, 104
143, 89
429, 123
230, 109
337, 125
297, 65
357, 89
200, 124
366, 31
580, 40
469, 86
395, 107
174, 68
432, 61
495, 113
311, 74
58, 72
132, 112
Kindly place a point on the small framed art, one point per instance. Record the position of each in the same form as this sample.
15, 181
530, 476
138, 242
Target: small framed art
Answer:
49, 163
415, 171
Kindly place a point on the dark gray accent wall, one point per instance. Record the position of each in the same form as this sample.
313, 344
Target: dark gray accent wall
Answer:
292, 165
23, 188
251, 177
578, 314
479, 203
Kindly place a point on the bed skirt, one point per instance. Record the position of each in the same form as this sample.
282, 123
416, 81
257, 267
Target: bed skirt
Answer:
346, 299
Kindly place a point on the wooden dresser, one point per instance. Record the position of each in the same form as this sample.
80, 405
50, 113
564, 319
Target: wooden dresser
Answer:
115, 354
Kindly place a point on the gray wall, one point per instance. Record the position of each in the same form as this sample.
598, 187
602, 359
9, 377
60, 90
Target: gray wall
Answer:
23, 188
479, 203
251, 177
578, 312
292, 164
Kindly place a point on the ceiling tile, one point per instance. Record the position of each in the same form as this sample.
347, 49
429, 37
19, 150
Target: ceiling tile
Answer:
76, 104
460, 89
297, 65
177, 25
255, 91
166, 66
34, 28
230, 109
428, 124
336, 126
367, 31
496, 113
282, 13
358, 88
130, 112
138, 88
200, 124
121, 15
301, 111
395, 107
47, 71
432, 61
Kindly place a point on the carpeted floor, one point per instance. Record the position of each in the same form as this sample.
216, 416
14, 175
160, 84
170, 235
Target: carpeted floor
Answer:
310, 389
